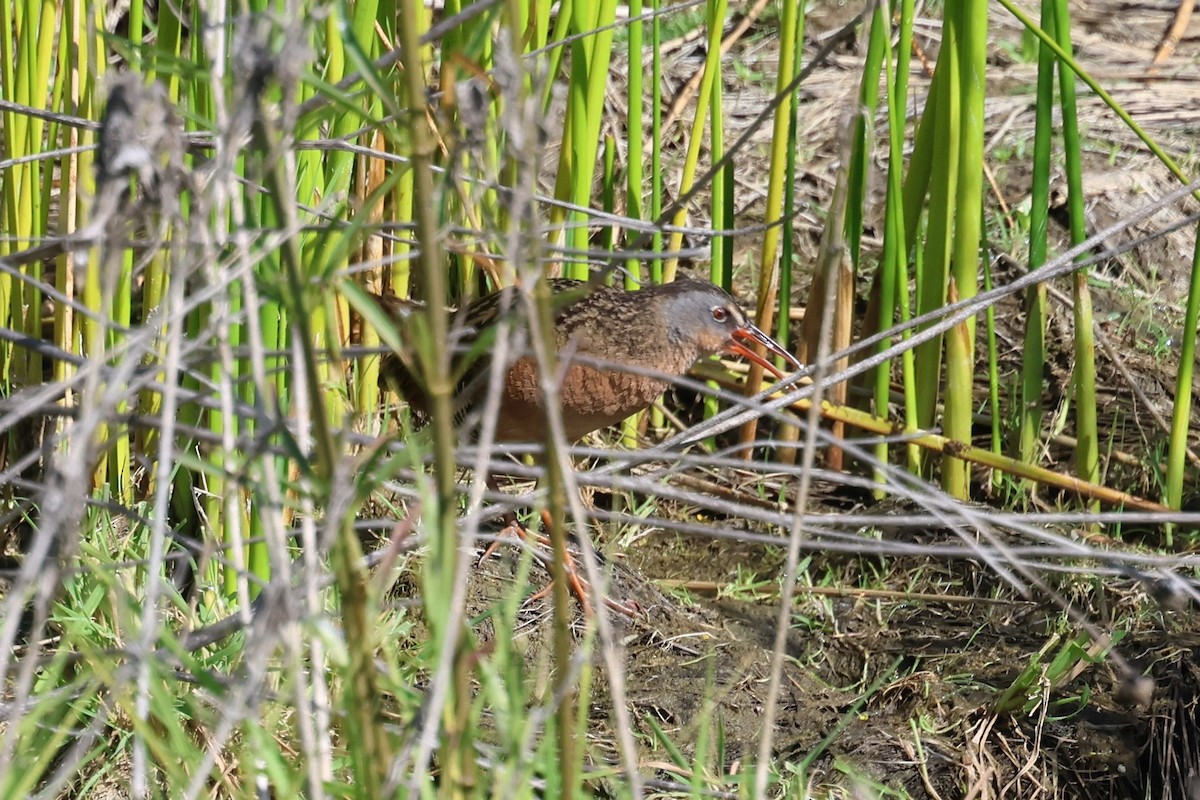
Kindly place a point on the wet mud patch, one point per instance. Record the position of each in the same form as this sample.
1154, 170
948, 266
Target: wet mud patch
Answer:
877, 691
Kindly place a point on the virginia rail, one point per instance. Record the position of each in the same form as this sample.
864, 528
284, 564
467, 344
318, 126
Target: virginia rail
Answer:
659, 331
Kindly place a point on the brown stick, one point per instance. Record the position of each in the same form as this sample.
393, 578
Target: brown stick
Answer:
1183, 16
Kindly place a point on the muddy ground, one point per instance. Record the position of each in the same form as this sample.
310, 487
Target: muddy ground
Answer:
897, 689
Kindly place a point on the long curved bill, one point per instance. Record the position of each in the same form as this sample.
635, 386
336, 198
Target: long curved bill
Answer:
745, 338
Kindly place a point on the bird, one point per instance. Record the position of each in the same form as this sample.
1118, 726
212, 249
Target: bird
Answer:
622, 351
617, 351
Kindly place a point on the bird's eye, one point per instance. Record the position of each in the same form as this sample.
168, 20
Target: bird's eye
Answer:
720, 313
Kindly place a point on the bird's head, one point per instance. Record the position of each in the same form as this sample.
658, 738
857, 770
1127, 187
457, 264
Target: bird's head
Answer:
702, 316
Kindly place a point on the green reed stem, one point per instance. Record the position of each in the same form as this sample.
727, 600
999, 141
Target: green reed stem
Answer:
768, 263
608, 195
971, 22
894, 259
656, 144
864, 141
1177, 452
1034, 355
787, 255
635, 128
590, 58
942, 115
715, 15
457, 752
1087, 449
721, 248
993, 370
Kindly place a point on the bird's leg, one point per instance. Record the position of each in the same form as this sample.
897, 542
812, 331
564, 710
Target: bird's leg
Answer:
511, 526
579, 585
575, 582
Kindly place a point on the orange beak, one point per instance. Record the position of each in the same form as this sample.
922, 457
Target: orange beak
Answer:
743, 341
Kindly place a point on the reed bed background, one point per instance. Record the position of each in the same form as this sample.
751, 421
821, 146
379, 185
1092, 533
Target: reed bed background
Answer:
233, 567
